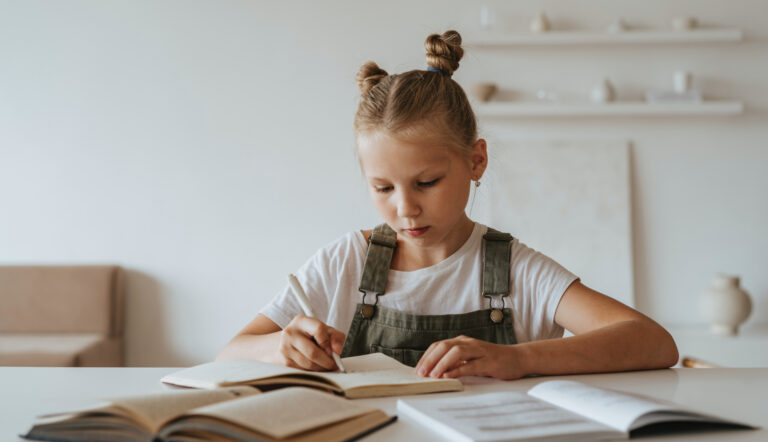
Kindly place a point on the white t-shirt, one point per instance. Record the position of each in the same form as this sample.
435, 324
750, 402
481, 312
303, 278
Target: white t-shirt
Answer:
332, 276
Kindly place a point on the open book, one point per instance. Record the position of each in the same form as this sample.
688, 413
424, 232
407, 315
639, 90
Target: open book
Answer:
552, 410
369, 375
236, 413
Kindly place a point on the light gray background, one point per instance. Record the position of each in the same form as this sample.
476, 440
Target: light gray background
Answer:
206, 146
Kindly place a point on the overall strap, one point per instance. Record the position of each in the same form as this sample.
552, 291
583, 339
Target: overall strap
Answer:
496, 263
378, 259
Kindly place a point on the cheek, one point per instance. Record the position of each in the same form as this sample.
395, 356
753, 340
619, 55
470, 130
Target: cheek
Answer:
379, 202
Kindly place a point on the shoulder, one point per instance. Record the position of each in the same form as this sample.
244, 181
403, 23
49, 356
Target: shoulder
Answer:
351, 243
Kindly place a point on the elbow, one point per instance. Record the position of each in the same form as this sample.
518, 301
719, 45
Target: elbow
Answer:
673, 355
666, 354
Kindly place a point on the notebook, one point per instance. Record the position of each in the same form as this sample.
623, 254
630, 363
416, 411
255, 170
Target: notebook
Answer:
552, 410
370, 375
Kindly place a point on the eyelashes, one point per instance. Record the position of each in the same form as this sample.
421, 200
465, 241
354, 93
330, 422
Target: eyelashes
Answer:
421, 184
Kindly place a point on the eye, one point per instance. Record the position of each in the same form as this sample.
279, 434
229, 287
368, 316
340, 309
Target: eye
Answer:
383, 189
428, 183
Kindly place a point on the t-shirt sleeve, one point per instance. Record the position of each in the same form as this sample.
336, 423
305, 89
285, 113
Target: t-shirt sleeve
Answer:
318, 277
543, 282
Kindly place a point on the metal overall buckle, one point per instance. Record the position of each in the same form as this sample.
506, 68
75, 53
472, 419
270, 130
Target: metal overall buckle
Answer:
497, 314
367, 310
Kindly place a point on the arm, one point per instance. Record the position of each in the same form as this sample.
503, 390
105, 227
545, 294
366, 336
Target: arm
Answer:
304, 343
608, 336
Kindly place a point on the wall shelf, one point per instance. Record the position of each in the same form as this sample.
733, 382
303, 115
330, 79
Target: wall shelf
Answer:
604, 38
638, 108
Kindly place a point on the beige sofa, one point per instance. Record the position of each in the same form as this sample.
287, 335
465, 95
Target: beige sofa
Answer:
61, 315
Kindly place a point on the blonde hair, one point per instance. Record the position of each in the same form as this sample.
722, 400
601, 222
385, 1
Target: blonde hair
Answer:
418, 100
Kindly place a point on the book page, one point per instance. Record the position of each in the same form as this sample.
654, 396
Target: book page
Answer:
500, 416
148, 411
285, 412
228, 372
155, 409
613, 408
377, 369
372, 362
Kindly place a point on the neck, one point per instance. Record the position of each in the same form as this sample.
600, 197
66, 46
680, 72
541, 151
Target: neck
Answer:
409, 257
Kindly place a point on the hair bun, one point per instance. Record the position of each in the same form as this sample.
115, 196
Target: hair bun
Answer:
444, 51
369, 75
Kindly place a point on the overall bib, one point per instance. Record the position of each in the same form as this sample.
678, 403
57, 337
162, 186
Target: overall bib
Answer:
406, 336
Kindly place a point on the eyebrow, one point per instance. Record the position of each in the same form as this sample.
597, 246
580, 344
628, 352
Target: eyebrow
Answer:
418, 174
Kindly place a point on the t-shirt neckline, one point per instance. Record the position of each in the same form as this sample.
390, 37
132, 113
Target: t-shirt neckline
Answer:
469, 244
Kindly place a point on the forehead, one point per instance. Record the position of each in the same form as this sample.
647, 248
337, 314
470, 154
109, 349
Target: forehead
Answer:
382, 155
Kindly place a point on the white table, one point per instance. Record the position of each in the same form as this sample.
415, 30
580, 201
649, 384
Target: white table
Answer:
737, 393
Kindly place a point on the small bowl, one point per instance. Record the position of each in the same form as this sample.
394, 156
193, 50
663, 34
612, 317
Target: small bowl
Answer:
483, 91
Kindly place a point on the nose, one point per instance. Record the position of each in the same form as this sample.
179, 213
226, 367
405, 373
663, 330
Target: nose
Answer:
408, 205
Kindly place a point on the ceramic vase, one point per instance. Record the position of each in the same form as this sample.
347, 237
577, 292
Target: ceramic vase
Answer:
602, 92
540, 23
725, 305
618, 26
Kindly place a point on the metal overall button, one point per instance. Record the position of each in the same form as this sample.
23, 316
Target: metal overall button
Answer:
497, 315
367, 310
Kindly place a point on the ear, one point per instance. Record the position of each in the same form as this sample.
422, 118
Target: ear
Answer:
478, 159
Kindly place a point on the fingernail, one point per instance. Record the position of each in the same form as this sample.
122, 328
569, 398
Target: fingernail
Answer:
422, 372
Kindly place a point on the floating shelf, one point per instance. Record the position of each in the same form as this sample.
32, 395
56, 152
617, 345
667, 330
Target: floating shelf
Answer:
600, 38
639, 108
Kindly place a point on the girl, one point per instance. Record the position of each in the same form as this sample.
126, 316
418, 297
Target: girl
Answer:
431, 287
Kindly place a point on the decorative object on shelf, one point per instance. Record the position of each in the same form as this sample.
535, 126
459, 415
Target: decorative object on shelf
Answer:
684, 23
485, 17
682, 91
483, 91
725, 305
547, 95
617, 26
682, 81
540, 23
602, 92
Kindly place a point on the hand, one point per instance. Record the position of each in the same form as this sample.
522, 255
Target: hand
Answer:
465, 356
307, 343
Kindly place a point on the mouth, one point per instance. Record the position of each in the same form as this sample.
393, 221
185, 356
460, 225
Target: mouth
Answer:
417, 231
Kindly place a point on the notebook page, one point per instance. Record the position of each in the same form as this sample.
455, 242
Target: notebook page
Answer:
229, 371
613, 408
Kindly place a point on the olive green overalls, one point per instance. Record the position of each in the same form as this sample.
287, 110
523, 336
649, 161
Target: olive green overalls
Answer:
405, 336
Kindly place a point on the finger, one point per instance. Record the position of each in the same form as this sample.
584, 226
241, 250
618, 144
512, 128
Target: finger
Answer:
451, 359
329, 339
337, 340
468, 368
323, 334
430, 358
309, 349
298, 360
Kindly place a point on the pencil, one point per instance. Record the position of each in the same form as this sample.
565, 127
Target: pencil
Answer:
304, 301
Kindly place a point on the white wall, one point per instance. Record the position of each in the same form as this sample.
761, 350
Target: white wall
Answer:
206, 146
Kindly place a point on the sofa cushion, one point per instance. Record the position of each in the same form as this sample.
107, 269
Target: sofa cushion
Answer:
71, 299
56, 350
